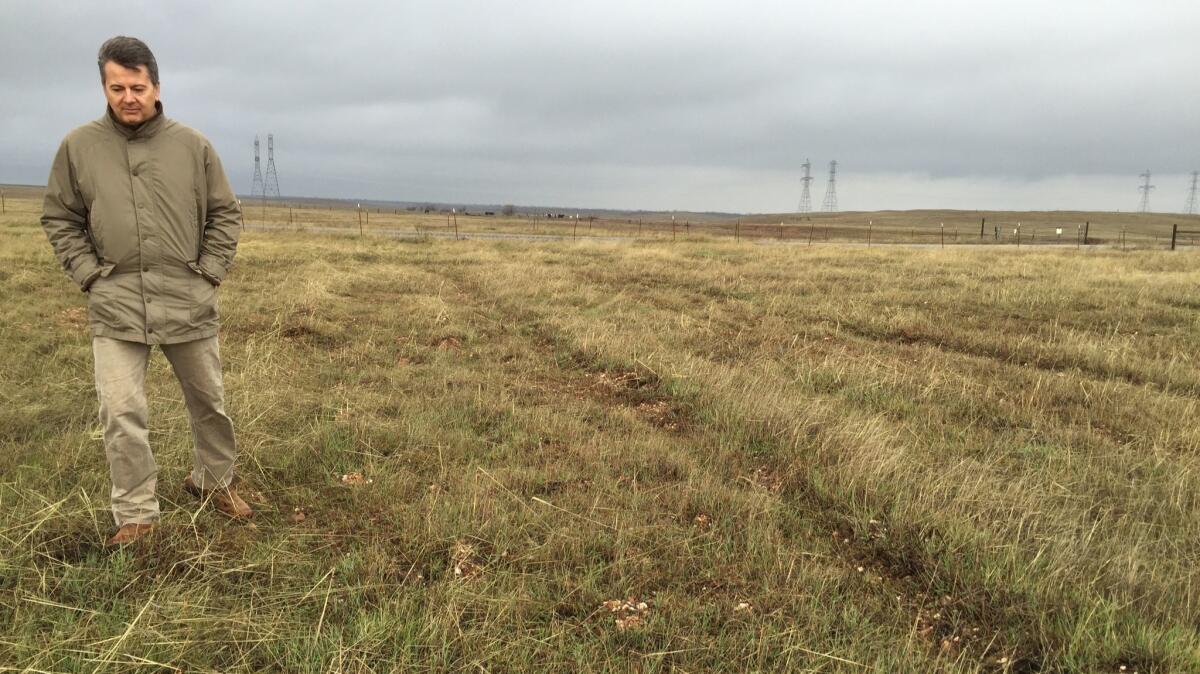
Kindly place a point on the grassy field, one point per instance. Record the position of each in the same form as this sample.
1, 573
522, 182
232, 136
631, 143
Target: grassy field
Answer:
707, 456
929, 228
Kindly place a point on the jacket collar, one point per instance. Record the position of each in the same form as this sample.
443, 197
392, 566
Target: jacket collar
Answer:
146, 129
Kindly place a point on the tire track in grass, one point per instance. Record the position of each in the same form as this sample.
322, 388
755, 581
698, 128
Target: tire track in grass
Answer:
1103, 423
1043, 650
669, 309
649, 291
1108, 429
946, 612
1048, 362
632, 386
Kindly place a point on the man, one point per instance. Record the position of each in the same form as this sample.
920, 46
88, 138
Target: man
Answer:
141, 216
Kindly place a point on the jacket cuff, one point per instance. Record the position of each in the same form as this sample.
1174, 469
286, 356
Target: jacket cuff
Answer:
85, 270
210, 268
214, 267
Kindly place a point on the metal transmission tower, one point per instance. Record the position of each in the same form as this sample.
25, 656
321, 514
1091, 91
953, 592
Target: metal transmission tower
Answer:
256, 189
1145, 188
1190, 206
830, 203
272, 185
805, 198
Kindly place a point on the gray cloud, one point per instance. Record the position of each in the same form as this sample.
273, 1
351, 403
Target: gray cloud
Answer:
696, 105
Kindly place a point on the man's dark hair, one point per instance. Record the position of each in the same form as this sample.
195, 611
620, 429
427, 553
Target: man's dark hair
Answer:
129, 52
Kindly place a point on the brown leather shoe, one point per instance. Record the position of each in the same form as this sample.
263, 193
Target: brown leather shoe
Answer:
225, 499
129, 533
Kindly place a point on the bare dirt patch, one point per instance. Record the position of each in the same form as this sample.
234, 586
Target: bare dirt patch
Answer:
465, 560
74, 318
628, 614
449, 343
638, 391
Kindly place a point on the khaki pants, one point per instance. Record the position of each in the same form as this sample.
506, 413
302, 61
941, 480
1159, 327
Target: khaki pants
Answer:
121, 386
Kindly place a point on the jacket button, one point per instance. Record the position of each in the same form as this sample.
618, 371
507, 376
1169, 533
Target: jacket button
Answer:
149, 300
135, 172
145, 269
150, 331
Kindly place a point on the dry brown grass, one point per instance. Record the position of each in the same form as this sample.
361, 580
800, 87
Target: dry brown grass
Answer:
795, 459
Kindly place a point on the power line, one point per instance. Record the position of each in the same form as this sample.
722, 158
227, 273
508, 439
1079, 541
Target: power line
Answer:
256, 188
1190, 206
1145, 188
805, 198
830, 204
271, 188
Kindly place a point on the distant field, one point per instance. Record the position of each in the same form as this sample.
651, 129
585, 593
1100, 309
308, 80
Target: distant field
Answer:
632, 456
939, 228
921, 227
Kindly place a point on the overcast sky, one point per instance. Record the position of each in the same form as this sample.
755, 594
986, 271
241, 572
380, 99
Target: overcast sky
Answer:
691, 105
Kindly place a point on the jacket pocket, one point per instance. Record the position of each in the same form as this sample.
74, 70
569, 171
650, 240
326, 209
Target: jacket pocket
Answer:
94, 233
198, 229
204, 303
102, 300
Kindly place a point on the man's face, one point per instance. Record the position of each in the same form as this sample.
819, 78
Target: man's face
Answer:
131, 95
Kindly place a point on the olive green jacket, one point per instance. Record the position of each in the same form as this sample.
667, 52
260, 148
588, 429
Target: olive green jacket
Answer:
143, 219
